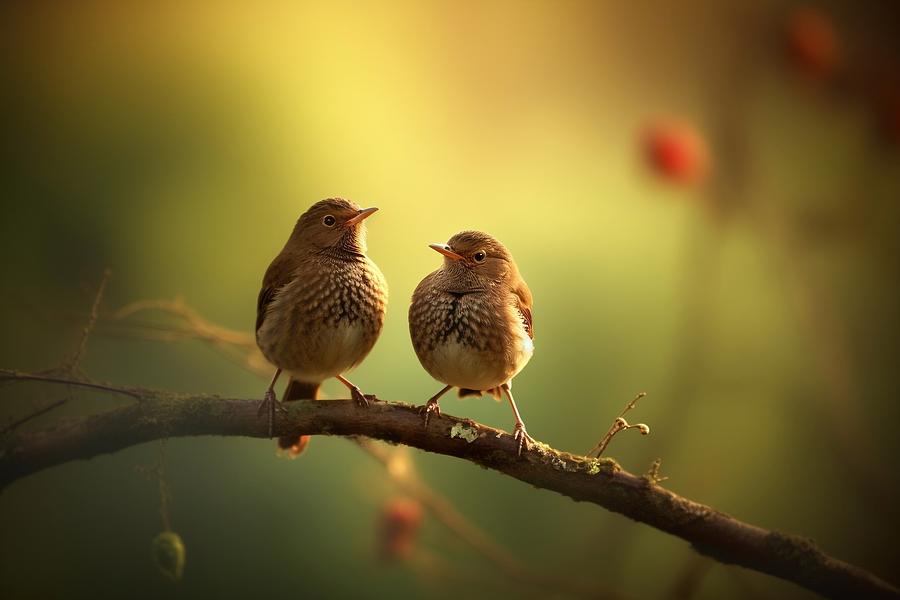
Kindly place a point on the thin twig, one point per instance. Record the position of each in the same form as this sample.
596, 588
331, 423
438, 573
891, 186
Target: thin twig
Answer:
157, 472
73, 365
10, 375
620, 424
165, 496
199, 325
236, 345
35, 414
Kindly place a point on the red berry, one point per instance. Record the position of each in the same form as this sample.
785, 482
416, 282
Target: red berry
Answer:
812, 43
676, 151
399, 526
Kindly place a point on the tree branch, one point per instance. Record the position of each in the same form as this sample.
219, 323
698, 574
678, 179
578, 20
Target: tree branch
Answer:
600, 481
524, 576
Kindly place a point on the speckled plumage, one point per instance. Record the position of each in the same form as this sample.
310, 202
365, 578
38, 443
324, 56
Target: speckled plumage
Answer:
483, 326
322, 302
470, 321
326, 318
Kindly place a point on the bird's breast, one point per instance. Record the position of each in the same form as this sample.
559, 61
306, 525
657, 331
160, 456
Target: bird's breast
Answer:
324, 321
468, 341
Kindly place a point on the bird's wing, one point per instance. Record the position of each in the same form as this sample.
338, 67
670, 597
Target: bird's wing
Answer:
279, 273
523, 302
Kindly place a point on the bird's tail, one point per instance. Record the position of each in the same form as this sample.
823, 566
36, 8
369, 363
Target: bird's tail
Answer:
300, 390
297, 390
495, 392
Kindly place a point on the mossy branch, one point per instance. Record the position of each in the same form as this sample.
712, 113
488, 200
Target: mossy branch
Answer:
600, 481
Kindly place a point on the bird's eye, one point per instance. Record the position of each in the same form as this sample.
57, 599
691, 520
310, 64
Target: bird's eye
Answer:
328, 221
479, 256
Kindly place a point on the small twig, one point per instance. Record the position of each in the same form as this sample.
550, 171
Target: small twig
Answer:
73, 365
652, 475
10, 375
165, 495
236, 345
35, 414
158, 472
200, 326
632, 404
620, 424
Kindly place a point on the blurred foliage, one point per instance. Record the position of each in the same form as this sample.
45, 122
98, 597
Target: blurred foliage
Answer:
176, 143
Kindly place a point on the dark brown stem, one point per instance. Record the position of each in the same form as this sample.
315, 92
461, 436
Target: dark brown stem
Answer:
600, 481
7, 375
73, 365
41, 411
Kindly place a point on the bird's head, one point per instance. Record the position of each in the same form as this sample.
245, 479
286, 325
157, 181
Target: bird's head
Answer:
475, 256
333, 224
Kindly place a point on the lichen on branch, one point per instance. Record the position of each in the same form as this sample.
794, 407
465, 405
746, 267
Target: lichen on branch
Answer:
599, 481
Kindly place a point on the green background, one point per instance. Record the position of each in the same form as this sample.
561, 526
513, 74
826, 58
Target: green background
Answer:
177, 144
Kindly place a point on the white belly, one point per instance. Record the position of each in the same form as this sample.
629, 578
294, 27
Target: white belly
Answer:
463, 366
335, 351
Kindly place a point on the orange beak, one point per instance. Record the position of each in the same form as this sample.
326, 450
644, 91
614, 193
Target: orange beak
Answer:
360, 216
446, 251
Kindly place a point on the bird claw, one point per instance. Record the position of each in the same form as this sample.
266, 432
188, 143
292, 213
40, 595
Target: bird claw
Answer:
521, 436
362, 400
270, 405
430, 407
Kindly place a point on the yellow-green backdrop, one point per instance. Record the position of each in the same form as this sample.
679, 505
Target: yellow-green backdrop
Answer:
177, 143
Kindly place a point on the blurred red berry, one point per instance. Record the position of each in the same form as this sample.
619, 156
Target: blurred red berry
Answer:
812, 43
892, 120
676, 151
399, 525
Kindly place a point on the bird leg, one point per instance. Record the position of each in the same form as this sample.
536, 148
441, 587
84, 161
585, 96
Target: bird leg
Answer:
362, 400
270, 404
432, 405
520, 434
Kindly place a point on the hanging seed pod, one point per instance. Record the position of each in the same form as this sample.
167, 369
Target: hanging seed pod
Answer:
169, 554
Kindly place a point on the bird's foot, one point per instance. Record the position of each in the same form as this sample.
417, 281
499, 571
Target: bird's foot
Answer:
362, 400
521, 436
269, 405
430, 407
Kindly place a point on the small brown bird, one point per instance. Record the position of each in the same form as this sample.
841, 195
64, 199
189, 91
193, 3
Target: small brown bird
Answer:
470, 322
322, 304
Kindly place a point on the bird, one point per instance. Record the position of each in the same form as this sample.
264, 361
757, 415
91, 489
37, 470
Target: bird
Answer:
471, 324
321, 306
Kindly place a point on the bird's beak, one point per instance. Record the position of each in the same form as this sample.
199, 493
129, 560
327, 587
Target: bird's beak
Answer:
446, 251
360, 216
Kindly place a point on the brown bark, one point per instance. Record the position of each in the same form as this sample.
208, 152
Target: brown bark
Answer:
600, 481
